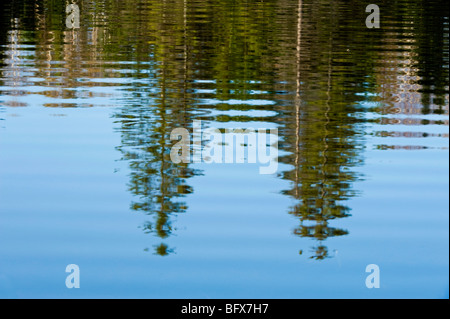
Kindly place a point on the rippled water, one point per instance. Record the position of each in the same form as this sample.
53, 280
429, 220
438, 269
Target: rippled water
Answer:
86, 176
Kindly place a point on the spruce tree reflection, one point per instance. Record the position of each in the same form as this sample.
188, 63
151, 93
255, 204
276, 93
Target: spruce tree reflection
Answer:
155, 180
162, 106
322, 135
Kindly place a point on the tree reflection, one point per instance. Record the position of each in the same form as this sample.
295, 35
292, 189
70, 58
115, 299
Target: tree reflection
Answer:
322, 134
161, 106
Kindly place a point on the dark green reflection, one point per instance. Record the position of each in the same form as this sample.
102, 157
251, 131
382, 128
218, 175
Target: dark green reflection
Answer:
321, 130
160, 103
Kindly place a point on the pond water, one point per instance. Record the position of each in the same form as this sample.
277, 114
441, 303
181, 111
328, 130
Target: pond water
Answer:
360, 127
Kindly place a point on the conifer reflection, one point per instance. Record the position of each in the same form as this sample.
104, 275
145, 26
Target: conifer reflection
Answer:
322, 134
161, 105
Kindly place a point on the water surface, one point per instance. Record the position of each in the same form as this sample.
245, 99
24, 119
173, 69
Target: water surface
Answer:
86, 175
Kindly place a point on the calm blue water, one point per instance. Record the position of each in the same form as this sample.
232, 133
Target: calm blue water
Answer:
86, 177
